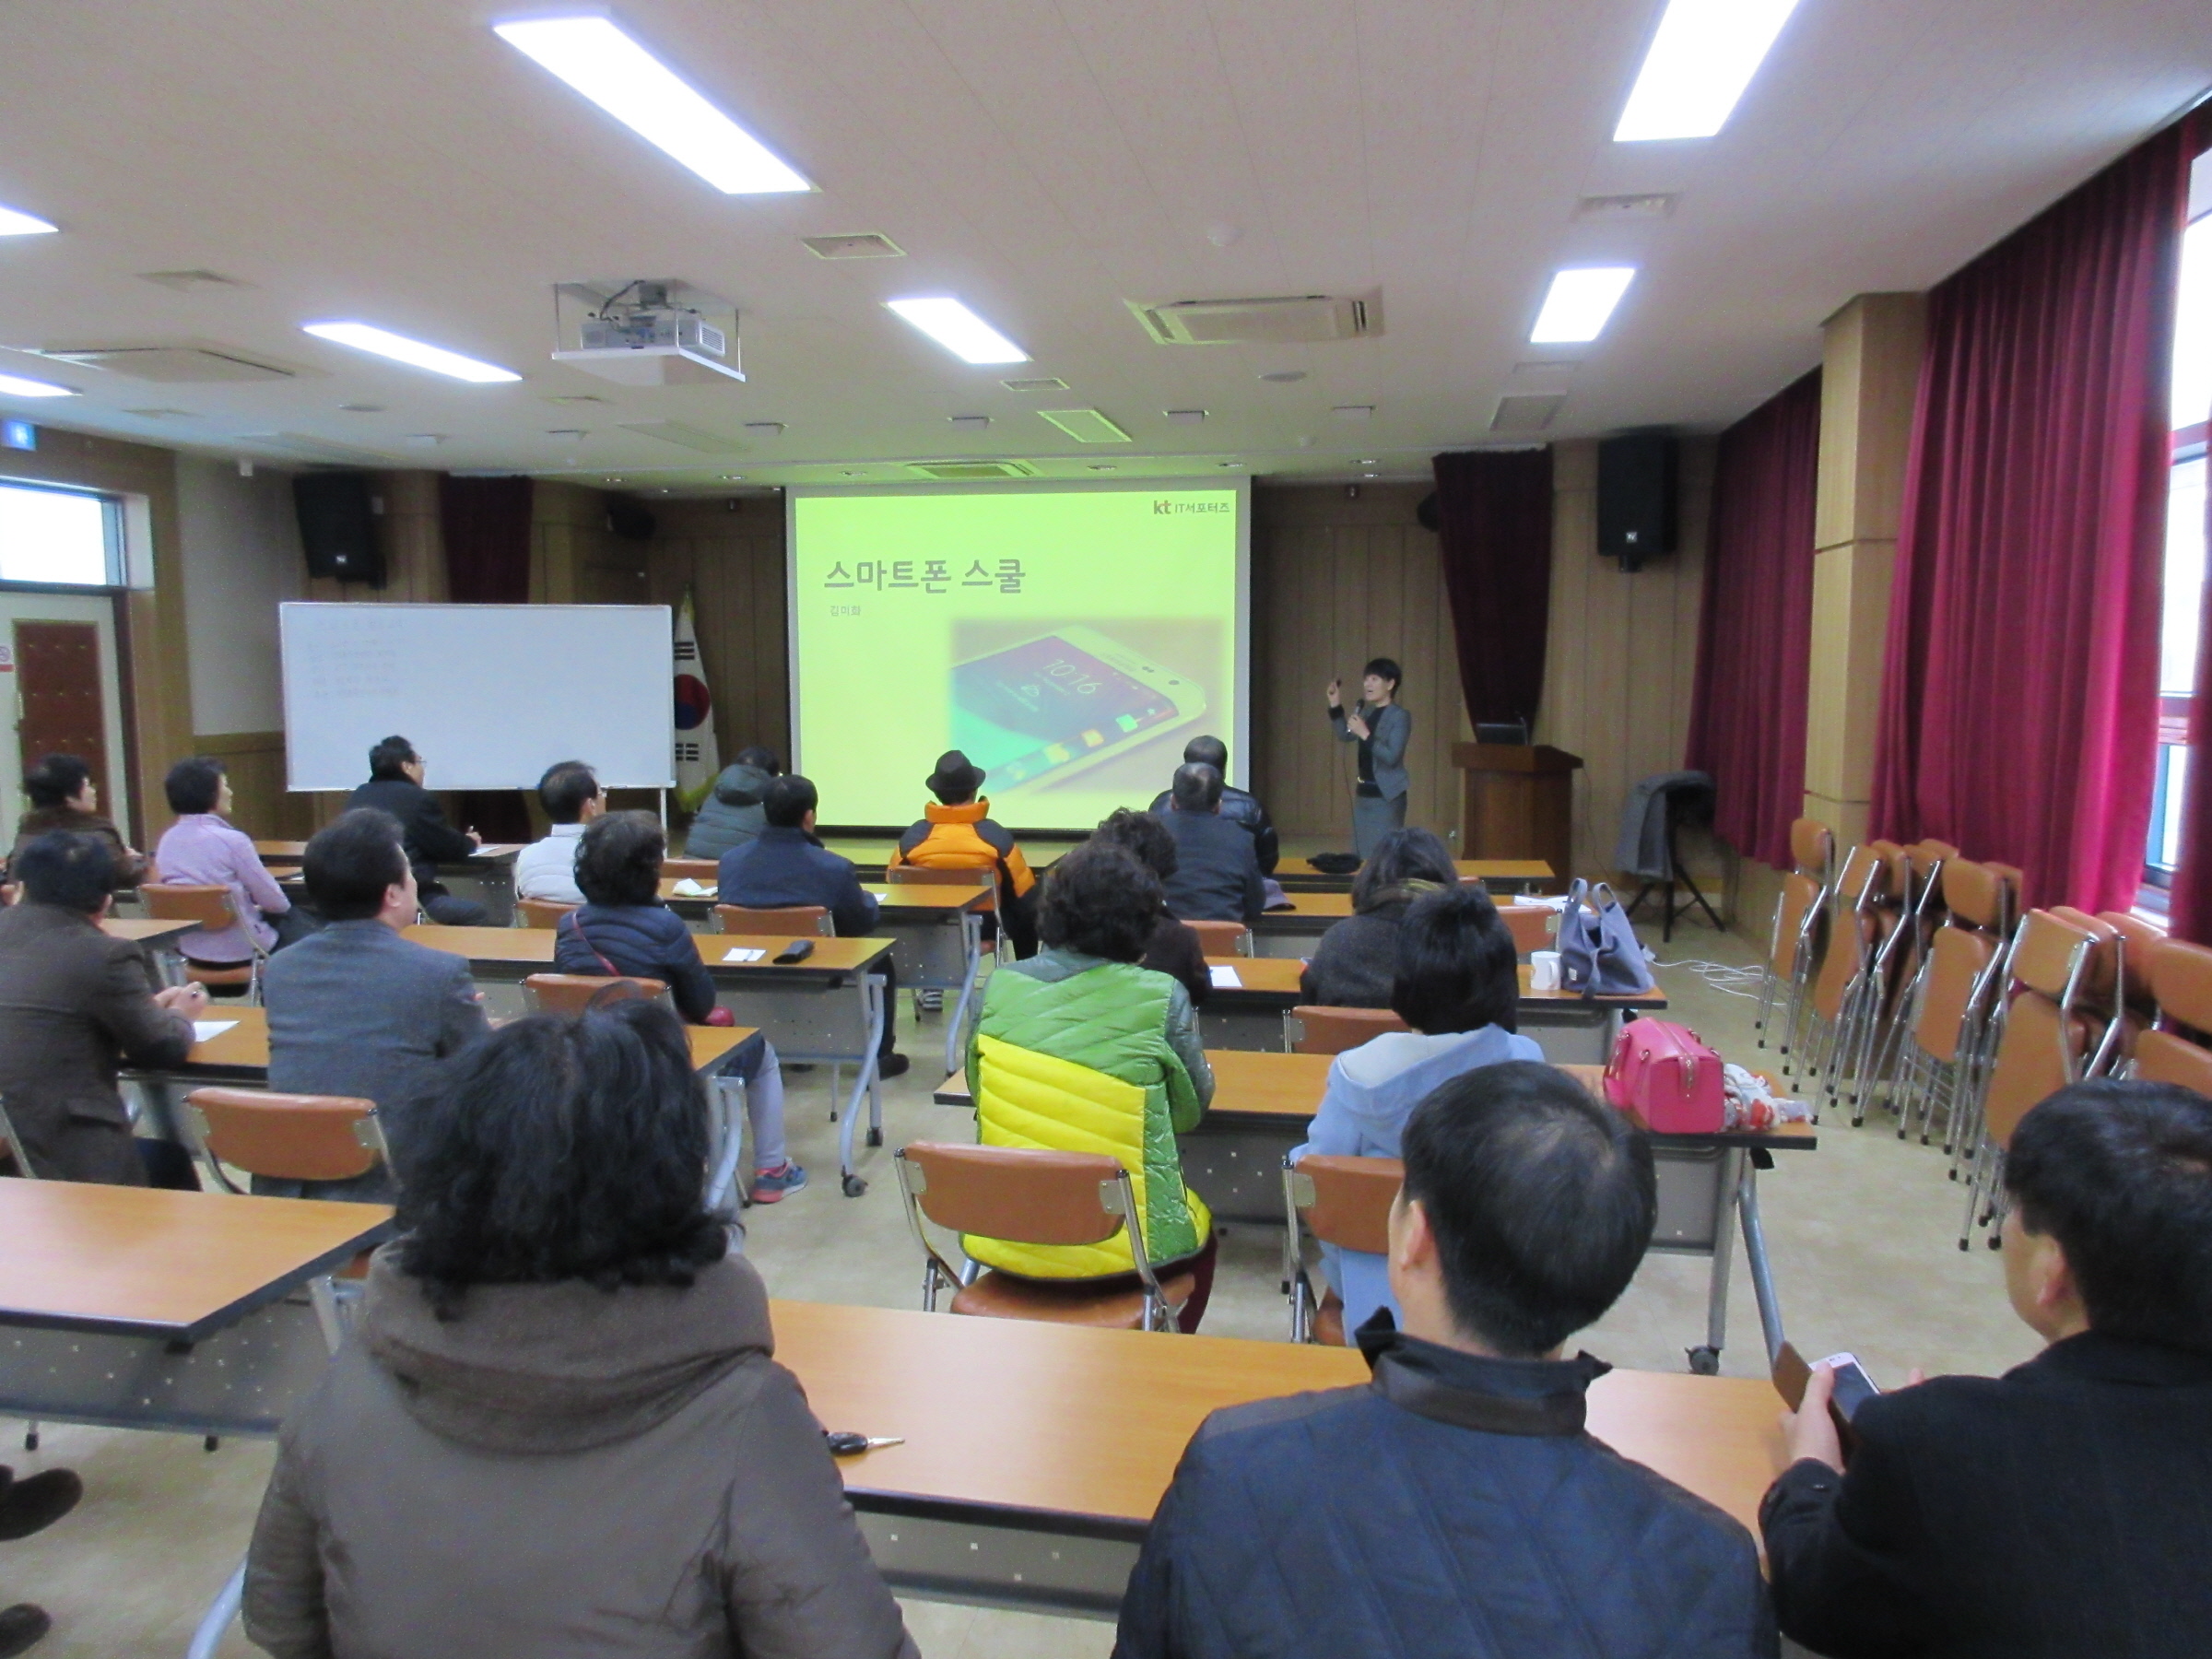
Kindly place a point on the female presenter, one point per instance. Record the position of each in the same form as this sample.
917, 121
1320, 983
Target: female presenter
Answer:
1381, 729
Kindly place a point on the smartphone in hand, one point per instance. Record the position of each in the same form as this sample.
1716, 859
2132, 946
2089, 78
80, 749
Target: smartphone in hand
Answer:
1854, 1388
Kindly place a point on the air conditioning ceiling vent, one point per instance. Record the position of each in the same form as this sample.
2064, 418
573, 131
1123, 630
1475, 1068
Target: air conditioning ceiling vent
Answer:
956, 472
1286, 321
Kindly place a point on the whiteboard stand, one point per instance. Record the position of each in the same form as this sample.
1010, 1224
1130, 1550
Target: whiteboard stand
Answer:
663, 794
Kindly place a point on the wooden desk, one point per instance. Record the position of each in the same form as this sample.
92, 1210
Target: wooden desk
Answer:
138, 1308
1042, 1499
1570, 1028
487, 874
243, 1052
828, 1008
1298, 874
144, 932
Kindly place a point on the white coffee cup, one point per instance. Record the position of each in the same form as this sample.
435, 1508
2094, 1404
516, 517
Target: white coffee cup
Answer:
1543, 971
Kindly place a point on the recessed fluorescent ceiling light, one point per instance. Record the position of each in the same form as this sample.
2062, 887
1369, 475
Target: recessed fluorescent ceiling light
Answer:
643, 93
959, 331
1703, 57
1579, 304
15, 385
365, 336
14, 222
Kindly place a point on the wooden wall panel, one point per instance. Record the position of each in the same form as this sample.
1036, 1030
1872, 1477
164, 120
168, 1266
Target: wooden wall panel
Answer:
1621, 659
151, 648
732, 562
260, 803
1338, 579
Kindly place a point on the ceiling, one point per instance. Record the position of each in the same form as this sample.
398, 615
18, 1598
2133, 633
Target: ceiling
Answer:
1047, 163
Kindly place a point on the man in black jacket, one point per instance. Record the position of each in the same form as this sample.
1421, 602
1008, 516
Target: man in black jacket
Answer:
395, 786
1240, 807
1455, 1506
1217, 874
2059, 1510
786, 864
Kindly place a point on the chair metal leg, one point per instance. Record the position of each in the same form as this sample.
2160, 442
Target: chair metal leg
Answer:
208, 1635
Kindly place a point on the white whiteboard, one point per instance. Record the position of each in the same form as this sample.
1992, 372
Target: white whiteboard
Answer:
490, 695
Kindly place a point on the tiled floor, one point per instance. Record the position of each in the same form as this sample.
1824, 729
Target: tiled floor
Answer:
1863, 1236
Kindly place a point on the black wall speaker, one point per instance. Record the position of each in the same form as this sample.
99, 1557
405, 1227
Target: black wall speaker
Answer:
630, 521
338, 527
1636, 497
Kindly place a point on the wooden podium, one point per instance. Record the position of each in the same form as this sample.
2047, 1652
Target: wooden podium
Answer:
1518, 802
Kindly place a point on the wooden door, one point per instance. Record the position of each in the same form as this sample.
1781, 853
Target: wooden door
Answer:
62, 711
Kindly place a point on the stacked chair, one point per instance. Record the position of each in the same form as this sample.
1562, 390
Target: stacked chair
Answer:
1880, 1011
1942, 1052
2174, 1049
1863, 906
2065, 1020
1793, 952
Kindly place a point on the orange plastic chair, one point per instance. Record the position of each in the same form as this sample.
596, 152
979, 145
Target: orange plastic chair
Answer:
1340, 1201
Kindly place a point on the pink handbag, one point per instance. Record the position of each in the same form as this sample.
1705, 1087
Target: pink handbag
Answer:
1662, 1075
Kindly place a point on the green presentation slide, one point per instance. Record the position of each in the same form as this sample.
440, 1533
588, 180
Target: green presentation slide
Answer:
1071, 640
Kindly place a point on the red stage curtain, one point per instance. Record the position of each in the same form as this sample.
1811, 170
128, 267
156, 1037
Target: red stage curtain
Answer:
2191, 896
1494, 531
485, 523
2020, 697
1746, 717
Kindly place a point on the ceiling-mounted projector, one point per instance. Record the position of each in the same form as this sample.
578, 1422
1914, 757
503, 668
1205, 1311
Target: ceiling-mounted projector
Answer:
651, 332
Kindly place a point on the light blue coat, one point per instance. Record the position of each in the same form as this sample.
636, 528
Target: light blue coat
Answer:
1372, 1090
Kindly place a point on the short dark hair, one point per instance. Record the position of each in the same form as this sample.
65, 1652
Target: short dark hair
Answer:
1100, 900
1143, 836
2121, 1175
1208, 751
492, 1193
1457, 970
619, 861
56, 779
1541, 1198
787, 801
1386, 668
568, 787
351, 862
388, 758
1196, 788
69, 869
755, 756
1402, 855
194, 784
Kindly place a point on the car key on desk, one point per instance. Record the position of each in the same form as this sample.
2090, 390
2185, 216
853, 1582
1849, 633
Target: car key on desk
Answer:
845, 1442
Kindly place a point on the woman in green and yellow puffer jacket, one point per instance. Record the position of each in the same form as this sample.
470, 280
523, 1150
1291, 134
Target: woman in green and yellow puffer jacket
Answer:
1080, 1050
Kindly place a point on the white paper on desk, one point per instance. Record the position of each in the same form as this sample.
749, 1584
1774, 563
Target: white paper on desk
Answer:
881, 892
202, 1029
743, 953
1225, 979
689, 889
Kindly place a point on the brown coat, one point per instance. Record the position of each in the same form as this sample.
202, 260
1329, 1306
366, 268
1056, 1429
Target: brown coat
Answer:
74, 1006
130, 867
561, 1472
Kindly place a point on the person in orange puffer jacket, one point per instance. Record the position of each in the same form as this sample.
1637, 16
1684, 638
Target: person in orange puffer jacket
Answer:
958, 833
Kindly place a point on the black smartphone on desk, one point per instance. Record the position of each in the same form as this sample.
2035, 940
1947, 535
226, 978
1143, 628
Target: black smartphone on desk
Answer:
798, 950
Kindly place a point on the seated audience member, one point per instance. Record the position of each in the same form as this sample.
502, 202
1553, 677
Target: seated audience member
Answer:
1139, 1076
75, 1005
571, 794
558, 1429
1240, 807
958, 833
785, 864
624, 928
1457, 985
1174, 949
359, 1009
2060, 1508
396, 773
1357, 961
1217, 875
28, 1506
1455, 1504
731, 814
202, 849
63, 797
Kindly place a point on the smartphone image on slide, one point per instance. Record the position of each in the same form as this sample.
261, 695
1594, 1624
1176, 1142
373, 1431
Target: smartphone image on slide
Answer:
1053, 705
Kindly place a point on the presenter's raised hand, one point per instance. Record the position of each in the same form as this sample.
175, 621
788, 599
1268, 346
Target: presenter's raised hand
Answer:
1335, 694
